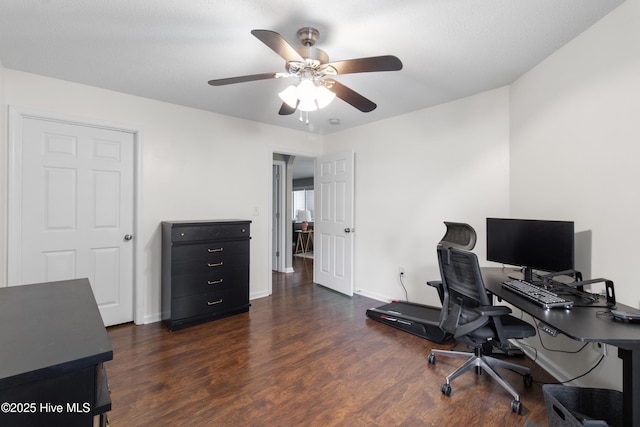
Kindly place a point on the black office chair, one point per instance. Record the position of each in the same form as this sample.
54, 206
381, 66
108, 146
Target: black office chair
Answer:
467, 314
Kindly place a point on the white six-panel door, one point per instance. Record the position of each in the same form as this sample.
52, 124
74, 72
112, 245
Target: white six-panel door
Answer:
76, 209
333, 224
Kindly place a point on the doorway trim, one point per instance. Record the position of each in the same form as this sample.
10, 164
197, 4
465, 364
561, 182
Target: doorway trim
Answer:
288, 152
14, 159
281, 222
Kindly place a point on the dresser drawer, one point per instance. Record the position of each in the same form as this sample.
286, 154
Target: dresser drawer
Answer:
192, 284
213, 303
190, 233
200, 258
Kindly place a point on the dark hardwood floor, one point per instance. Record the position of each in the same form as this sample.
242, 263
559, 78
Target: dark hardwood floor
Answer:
305, 356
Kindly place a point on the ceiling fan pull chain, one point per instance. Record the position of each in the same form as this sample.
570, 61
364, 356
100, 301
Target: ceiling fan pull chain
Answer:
304, 119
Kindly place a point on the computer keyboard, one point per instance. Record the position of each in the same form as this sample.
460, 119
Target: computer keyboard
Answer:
536, 294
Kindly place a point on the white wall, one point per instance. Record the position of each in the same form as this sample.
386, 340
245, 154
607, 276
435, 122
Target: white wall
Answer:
196, 165
3, 176
575, 147
412, 172
562, 142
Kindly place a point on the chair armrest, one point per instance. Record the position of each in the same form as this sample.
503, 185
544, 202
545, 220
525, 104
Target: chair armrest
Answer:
435, 283
485, 312
493, 310
438, 285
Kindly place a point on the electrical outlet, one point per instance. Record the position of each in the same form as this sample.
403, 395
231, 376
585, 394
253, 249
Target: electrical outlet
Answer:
600, 348
401, 270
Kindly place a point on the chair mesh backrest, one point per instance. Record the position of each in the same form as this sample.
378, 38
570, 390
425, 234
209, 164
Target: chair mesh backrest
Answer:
459, 235
463, 287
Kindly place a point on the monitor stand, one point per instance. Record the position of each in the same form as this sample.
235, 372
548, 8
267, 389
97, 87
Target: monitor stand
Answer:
527, 275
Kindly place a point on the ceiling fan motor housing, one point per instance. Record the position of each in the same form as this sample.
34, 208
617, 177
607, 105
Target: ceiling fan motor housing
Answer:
308, 36
314, 58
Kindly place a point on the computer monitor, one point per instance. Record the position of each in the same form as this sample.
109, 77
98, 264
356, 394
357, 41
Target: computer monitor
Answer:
532, 244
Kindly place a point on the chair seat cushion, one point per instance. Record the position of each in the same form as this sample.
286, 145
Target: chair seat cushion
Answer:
512, 327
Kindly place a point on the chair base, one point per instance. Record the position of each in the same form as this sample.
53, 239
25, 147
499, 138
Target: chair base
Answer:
487, 364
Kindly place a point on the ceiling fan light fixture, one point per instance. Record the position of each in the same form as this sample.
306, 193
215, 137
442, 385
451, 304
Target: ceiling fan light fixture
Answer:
307, 105
290, 96
324, 96
307, 96
307, 92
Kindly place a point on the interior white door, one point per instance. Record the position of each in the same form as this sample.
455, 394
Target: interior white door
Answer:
76, 195
333, 226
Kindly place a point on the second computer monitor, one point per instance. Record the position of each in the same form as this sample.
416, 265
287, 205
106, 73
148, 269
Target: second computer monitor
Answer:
533, 244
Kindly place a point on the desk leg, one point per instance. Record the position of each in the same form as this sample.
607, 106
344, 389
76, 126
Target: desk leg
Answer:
309, 240
299, 244
630, 385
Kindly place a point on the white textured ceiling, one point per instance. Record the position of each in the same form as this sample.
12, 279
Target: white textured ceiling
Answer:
169, 49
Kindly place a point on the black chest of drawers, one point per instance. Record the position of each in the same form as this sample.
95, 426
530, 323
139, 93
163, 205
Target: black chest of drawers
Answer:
205, 270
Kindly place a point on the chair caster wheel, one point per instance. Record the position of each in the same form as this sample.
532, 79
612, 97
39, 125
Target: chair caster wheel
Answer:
446, 389
432, 359
528, 380
516, 406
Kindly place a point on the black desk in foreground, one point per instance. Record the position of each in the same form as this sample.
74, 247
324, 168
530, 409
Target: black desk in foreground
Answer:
586, 324
53, 344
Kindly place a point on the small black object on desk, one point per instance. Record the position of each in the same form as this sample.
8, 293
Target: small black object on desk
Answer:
626, 316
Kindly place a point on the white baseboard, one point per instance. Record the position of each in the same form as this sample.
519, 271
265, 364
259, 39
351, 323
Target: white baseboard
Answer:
152, 318
374, 295
257, 295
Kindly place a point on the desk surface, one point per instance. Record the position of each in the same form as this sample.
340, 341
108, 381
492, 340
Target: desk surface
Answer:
585, 324
49, 328
580, 323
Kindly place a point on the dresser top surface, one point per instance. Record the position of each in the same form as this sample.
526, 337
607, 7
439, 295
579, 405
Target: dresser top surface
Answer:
49, 327
204, 221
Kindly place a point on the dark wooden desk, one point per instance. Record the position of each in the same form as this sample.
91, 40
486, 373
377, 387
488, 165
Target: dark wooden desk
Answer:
586, 324
53, 344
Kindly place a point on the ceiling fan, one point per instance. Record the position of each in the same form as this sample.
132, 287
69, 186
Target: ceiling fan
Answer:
316, 86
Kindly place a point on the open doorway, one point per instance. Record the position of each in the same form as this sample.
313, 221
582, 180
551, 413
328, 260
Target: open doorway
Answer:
293, 210
303, 207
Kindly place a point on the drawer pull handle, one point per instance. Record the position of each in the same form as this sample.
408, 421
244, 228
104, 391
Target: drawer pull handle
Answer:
217, 264
214, 302
215, 250
215, 282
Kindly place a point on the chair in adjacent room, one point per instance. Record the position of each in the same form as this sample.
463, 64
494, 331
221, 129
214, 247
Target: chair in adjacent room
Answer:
468, 314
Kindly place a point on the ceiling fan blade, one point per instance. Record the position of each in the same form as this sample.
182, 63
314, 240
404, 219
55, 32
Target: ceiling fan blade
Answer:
351, 97
365, 65
250, 78
286, 109
278, 44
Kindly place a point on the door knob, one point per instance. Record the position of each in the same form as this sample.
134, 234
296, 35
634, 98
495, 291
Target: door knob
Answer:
128, 237
348, 230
